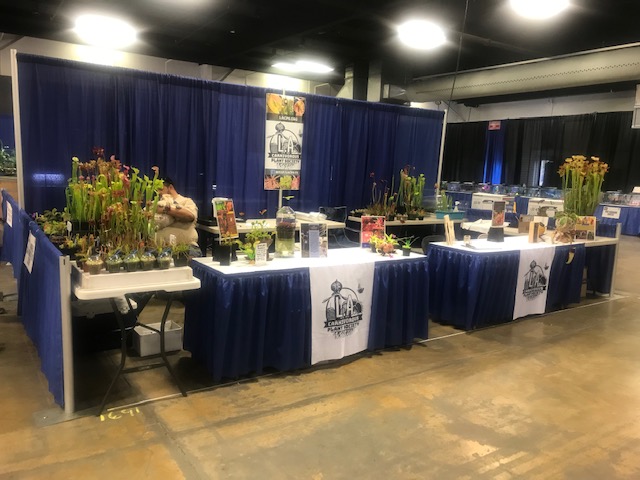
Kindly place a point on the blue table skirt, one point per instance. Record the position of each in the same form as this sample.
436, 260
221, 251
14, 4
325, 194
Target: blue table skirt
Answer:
629, 218
470, 290
238, 325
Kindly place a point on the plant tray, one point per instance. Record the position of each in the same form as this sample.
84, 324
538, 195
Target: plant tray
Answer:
125, 279
452, 215
147, 342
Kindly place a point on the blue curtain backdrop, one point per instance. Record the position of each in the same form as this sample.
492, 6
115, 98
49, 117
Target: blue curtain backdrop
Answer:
202, 133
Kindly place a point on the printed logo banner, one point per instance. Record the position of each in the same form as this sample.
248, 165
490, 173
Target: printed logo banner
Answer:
533, 281
283, 145
340, 310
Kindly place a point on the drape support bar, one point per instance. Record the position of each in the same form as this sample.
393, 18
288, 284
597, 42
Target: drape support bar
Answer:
16, 126
444, 133
67, 334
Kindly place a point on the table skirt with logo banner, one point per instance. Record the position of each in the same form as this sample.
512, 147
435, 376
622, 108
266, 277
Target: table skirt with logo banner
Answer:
476, 287
245, 319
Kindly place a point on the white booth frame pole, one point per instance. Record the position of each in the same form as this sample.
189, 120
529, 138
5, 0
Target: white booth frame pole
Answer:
16, 126
67, 334
65, 263
441, 158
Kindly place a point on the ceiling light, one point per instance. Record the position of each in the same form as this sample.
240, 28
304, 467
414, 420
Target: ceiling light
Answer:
539, 9
421, 34
303, 66
105, 32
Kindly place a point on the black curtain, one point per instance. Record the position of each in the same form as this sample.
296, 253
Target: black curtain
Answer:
530, 141
464, 152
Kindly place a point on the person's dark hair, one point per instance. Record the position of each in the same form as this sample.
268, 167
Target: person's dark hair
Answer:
167, 181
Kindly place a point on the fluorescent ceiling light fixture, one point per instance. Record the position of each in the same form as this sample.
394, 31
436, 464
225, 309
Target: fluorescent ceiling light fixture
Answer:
303, 66
421, 34
539, 9
107, 32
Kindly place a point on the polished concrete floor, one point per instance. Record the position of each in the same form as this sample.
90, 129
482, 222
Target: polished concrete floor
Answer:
547, 397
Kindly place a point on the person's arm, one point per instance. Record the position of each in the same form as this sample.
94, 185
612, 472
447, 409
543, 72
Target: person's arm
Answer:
180, 213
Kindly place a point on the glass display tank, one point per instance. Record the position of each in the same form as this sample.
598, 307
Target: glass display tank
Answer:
285, 231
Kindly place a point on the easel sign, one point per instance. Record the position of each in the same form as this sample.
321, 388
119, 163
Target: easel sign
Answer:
226, 216
586, 228
372, 226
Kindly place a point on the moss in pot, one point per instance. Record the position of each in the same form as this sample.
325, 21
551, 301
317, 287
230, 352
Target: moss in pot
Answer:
94, 264
132, 262
148, 261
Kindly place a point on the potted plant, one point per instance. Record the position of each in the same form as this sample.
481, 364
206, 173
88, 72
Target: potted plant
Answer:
444, 206
94, 264
147, 261
406, 245
180, 254
114, 262
132, 262
387, 244
164, 259
373, 242
260, 234
225, 251
249, 249
565, 227
581, 183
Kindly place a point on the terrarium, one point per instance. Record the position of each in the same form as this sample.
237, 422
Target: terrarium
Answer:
285, 231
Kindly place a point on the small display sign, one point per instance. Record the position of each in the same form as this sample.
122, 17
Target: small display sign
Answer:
611, 212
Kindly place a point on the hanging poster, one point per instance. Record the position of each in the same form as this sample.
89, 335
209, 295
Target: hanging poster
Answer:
283, 143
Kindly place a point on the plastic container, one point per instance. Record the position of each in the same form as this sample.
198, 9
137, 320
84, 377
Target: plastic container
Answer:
285, 231
147, 342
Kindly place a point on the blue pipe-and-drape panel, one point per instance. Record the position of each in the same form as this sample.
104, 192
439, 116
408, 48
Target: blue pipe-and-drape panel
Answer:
600, 263
400, 303
629, 218
522, 205
14, 237
41, 314
241, 324
472, 290
473, 214
565, 280
467, 290
203, 133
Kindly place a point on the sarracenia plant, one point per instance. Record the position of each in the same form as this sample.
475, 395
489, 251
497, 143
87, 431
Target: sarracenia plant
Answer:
114, 199
581, 183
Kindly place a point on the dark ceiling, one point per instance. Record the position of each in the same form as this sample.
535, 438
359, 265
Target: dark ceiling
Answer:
252, 34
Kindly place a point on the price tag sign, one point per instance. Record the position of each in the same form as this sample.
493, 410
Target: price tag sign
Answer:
611, 212
30, 252
9, 215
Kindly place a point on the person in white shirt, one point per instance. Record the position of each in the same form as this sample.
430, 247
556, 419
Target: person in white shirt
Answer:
177, 215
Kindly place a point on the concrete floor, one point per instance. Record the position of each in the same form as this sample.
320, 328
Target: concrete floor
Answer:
547, 397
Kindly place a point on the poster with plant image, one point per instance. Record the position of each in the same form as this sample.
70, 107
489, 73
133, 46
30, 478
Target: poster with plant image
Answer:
226, 216
372, 226
283, 142
497, 214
